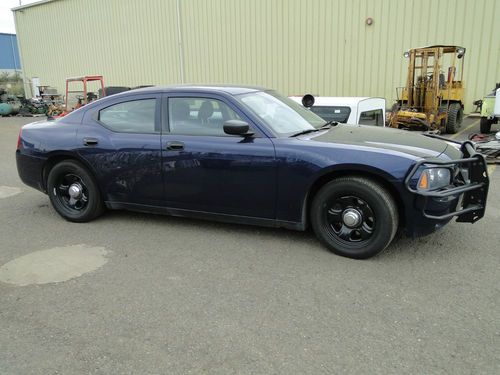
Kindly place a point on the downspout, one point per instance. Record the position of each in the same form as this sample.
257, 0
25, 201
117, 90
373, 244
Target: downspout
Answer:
179, 41
23, 76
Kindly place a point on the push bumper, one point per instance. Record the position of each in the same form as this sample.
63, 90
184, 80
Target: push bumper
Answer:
465, 199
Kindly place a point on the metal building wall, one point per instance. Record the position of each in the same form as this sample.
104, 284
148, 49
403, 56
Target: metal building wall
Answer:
9, 54
319, 46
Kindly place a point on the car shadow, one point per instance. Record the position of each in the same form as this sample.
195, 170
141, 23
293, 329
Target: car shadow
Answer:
402, 248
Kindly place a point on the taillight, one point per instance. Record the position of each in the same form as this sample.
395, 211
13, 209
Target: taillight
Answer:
19, 139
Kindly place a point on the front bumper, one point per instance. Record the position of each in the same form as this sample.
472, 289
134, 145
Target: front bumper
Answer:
466, 199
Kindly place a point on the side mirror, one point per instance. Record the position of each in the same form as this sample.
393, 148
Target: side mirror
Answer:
308, 100
237, 127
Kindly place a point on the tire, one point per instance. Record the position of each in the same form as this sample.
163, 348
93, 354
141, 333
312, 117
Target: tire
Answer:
338, 199
73, 192
485, 125
455, 118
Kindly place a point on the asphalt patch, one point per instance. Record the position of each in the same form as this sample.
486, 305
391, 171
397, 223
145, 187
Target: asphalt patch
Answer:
53, 265
8, 191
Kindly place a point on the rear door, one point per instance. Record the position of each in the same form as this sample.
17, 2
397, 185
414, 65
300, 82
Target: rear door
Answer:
207, 170
122, 142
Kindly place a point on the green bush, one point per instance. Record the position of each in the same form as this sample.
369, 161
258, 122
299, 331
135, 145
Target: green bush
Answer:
12, 83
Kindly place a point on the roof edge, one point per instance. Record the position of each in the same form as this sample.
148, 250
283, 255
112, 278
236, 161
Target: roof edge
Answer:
36, 3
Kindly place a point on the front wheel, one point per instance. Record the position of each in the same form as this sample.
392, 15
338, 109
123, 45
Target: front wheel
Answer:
73, 192
354, 217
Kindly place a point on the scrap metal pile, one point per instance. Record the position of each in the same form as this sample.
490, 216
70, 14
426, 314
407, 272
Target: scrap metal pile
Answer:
9, 104
488, 145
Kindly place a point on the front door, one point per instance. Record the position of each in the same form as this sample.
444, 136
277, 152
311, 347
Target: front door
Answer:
205, 169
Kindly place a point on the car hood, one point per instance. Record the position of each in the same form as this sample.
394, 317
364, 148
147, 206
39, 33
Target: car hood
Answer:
384, 138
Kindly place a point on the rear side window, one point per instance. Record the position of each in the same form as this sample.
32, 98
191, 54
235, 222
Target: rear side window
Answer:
375, 117
136, 116
329, 113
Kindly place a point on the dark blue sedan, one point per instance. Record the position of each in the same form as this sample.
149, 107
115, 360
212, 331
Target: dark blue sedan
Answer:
249, 155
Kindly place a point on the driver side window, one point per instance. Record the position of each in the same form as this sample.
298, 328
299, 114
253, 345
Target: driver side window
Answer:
199, 116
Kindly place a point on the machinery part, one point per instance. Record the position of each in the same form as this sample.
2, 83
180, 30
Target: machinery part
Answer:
488, 146
429, 91
81, 99
485, 125
16, 107
455, 118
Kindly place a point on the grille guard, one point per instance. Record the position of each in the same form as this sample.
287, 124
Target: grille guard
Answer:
475, 191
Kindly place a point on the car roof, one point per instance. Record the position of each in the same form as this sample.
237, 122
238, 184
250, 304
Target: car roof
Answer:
188, 88
228, 89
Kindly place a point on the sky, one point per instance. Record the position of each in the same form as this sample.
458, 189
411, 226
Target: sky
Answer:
6, 16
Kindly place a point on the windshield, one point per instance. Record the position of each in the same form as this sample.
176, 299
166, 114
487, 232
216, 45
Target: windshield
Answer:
282, 115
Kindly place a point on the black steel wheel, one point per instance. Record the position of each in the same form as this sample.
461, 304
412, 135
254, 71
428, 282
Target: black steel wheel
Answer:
354, 217
73, 192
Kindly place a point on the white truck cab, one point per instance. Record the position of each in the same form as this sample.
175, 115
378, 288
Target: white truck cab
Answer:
349, 110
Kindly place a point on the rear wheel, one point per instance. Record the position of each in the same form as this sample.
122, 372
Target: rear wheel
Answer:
354, 217
455, 118
73, 192
485, 125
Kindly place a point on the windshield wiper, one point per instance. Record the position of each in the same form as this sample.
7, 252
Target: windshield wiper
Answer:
327, 125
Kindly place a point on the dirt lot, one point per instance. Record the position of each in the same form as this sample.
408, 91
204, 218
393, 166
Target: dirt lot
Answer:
174, 296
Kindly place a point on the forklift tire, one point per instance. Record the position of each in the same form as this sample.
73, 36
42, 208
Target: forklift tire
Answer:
485, 125
455, 118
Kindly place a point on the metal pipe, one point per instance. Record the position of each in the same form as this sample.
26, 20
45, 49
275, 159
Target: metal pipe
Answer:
23, 75
179, 41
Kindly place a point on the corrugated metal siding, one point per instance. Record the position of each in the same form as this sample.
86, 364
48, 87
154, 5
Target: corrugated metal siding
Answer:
9, 54
128, 42
319, 46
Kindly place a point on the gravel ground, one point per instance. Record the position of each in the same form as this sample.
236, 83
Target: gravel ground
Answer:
178, 296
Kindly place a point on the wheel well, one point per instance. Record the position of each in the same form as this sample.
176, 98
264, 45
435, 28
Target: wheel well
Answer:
53, 160
320, 182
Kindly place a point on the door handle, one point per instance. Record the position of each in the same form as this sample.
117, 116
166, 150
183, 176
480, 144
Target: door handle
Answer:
90, 141
175, 146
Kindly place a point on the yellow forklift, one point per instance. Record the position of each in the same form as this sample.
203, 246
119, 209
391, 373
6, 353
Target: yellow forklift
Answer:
431, 100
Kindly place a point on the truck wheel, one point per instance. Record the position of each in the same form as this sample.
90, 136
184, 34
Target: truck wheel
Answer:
354, 217
455, 118
73, 192
485, 125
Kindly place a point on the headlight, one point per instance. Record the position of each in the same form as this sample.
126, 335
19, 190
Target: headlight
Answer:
434, 178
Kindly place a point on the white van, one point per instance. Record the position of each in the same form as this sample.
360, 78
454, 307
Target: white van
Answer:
350, 110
